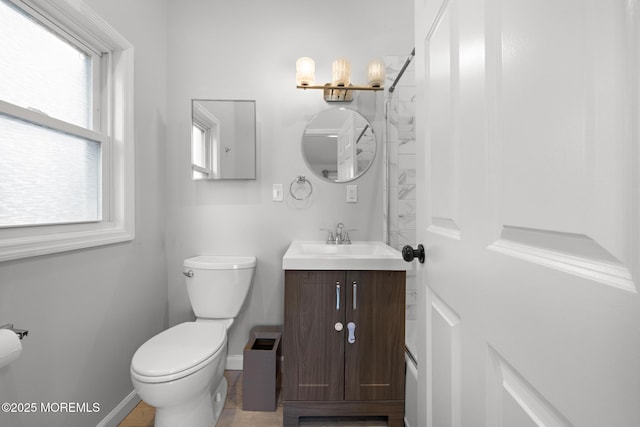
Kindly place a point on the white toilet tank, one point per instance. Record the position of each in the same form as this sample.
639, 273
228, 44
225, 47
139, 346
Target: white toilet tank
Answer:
218, 285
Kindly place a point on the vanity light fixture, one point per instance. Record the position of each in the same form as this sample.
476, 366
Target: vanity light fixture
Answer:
340, 89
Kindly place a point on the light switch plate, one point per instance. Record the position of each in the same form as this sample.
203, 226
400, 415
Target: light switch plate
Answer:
352, 193
277, 195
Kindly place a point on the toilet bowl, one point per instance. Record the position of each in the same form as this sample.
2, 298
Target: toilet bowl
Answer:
180, 371
175, 370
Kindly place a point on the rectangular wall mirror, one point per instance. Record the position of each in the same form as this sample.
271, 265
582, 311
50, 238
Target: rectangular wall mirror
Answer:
223, 139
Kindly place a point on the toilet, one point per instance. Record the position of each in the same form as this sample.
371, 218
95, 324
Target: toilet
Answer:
180, 371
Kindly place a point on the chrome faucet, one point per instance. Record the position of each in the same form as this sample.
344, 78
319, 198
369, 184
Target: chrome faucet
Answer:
341, 236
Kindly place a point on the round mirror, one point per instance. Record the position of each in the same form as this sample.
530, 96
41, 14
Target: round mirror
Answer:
339, 145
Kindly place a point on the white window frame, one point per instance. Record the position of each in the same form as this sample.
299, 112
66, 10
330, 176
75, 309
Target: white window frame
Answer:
116, 137
203, 119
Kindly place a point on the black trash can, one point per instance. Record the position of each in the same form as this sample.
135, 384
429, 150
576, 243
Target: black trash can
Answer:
261, 369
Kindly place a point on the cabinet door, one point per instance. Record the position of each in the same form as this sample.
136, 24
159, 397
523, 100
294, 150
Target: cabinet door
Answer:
313, 349
374, 362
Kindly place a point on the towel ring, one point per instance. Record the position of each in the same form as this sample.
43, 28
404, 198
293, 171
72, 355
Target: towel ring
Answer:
301, 180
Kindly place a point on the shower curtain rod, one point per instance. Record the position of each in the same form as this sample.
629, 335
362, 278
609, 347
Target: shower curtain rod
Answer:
404, 67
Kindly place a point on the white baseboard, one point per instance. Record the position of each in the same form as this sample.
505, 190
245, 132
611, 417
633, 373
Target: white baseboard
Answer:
118, 413
234, 362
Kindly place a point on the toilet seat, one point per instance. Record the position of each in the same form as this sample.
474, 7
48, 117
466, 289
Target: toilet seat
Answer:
177, 352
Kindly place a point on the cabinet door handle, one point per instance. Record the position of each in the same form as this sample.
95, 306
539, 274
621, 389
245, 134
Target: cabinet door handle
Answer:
337, 295
355, 295
352, 332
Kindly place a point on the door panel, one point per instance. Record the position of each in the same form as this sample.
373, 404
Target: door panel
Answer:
442, 137
562, 192
542, 126
513, 401
528, 173
313, 350
374, 363
444, 364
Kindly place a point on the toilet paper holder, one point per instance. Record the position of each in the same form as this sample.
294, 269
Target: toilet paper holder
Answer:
21, 333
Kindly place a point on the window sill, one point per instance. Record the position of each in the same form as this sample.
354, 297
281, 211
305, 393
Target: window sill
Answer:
42, 244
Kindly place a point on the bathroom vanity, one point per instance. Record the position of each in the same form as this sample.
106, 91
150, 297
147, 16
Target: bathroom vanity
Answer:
344, 332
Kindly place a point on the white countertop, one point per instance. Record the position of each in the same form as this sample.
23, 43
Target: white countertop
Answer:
359, 255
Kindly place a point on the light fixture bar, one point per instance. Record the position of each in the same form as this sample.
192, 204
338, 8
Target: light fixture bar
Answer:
340, 89
334, 93
351, 87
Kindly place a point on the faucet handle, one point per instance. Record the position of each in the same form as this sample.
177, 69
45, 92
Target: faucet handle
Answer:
330, 239
345, 236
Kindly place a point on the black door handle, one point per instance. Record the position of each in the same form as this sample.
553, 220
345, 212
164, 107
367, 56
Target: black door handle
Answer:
408, 253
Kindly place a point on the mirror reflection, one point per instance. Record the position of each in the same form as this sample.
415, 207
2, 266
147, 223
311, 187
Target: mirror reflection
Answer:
223, 139
339, 145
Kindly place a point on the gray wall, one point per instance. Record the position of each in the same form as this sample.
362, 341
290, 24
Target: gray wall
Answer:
88, 311
247, 50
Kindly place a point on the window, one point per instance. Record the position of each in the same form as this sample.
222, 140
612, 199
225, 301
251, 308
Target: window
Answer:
200, 156
205, 137
66, 146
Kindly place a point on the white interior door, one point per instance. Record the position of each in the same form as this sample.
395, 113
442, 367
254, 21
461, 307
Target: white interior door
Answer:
529, 208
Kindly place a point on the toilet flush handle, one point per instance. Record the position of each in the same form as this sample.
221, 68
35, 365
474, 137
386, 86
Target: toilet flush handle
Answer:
188, 273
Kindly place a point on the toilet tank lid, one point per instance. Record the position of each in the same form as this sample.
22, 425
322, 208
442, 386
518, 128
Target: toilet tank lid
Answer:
220, 262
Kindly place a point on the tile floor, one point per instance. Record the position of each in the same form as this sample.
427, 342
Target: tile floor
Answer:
233, 415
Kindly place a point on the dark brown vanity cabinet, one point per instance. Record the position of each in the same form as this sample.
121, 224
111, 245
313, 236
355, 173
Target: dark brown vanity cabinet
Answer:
344, 344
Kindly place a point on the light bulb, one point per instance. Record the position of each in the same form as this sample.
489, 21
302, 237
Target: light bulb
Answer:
376, 73
341, 72
305, 71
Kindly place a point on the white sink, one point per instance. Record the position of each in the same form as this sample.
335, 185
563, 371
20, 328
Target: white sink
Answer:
315, 255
